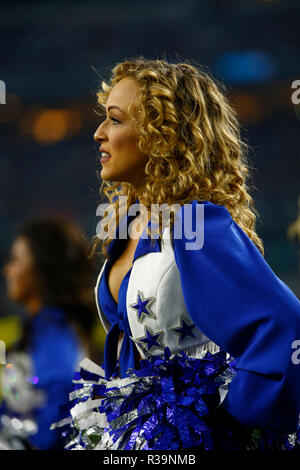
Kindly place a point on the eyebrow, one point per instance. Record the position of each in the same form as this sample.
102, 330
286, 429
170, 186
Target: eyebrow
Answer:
115, 107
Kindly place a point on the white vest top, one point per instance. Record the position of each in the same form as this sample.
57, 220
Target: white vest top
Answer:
156, 310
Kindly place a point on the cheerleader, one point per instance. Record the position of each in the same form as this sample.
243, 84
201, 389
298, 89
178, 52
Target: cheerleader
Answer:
200, 330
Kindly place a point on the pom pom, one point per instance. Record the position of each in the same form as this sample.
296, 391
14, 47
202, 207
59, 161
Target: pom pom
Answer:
168, 403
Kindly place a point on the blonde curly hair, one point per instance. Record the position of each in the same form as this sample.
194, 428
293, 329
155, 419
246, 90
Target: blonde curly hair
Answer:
192, 136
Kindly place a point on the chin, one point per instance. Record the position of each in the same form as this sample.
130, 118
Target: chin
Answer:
109, 176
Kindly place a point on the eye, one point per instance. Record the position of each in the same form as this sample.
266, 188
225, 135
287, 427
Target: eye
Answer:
115, 121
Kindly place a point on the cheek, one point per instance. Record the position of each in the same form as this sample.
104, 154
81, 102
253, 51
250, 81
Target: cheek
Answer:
124, 142
127, 153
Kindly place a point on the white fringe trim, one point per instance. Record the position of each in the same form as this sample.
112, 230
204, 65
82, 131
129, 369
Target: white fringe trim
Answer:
200, 351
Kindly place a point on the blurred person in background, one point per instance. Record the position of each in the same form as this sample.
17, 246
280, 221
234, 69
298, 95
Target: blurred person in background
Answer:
49, 274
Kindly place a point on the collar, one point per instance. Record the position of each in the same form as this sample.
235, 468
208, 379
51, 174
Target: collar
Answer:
145, 244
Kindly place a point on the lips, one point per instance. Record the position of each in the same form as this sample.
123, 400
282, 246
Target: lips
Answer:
104, 159
105, 156
102, 149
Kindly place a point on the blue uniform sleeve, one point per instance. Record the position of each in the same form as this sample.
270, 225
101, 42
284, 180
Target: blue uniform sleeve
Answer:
54, 357
235, 298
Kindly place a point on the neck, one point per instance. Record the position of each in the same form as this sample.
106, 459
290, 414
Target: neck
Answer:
33, 306
139, 188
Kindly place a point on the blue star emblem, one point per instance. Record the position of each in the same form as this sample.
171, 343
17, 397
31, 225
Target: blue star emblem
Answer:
150, 339
183, 330
142, 306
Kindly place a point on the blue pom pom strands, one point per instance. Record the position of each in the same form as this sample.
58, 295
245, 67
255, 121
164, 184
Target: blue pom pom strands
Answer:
169, 403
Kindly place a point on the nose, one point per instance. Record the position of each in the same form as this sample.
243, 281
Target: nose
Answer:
99, 134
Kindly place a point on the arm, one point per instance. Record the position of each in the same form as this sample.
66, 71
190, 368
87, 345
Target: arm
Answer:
235, 298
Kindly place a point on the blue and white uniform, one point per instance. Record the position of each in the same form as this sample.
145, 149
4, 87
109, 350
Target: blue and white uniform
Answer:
221, 303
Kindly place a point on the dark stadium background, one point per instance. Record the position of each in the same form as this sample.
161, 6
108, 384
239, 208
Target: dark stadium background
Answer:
53, 57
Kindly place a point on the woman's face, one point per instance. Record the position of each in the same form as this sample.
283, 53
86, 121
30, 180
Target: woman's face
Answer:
119, 138
19, 272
